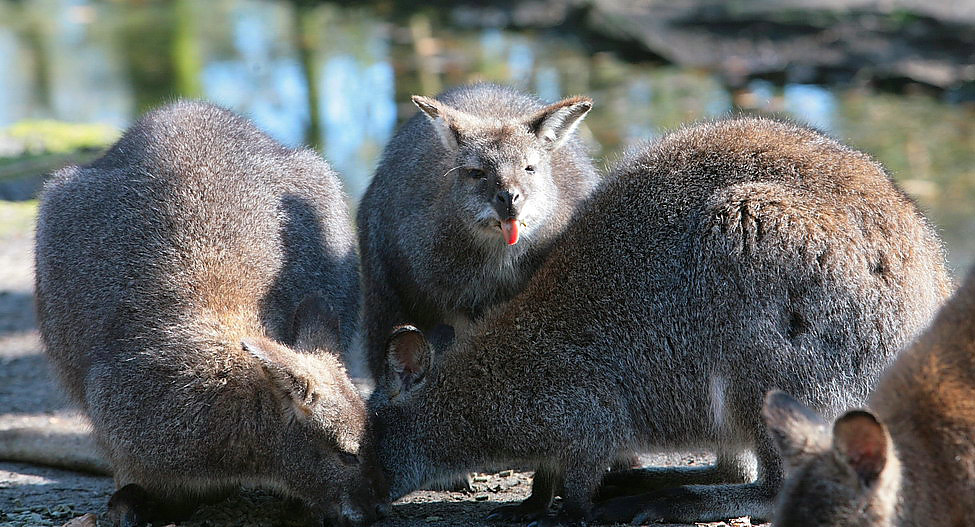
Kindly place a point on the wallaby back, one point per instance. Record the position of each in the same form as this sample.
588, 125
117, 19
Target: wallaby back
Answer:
720, 261
909, 462
464, 205
195, 289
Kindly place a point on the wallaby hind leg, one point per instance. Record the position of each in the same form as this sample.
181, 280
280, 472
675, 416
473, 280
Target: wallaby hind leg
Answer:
544, 484
737, 467
702, 503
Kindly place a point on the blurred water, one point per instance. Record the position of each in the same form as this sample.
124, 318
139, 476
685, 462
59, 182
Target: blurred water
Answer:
339, 79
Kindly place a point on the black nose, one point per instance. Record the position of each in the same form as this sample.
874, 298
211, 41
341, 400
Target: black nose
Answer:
505, 203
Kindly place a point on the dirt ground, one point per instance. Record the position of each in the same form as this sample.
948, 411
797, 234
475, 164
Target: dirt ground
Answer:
32, 405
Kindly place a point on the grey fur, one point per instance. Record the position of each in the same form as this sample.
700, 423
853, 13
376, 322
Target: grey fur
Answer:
195, 288
717, 262
427, 258
910, 459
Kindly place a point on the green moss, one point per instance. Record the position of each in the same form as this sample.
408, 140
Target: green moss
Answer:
38, 137
17, 217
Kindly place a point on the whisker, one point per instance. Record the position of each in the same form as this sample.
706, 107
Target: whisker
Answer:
451, 170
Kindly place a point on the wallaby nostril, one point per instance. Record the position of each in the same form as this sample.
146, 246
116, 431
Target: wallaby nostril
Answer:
515, 197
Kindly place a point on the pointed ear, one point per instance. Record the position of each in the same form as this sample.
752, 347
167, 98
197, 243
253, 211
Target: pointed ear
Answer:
862, 443
409, 356
445, 120
798, 432
294, 387
555, 123
315, 325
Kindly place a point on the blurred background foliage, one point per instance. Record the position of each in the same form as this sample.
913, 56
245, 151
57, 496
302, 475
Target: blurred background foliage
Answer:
894, 78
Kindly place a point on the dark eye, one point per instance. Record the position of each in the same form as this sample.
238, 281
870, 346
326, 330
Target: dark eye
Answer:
348, 459
530, 169
476, 173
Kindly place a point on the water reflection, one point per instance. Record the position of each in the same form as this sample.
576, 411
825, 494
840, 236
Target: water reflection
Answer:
358, 115
815, 105
339, 79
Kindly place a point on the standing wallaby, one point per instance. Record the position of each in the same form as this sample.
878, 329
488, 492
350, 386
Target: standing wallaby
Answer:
194, 288
465, 204
911, 461
720, 261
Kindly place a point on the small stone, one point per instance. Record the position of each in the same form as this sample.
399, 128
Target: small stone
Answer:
506, 473
31, 518
61, 511
480, 479
85, 520
481, 497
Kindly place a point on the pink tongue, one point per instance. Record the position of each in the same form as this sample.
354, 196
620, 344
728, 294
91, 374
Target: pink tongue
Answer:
510, 230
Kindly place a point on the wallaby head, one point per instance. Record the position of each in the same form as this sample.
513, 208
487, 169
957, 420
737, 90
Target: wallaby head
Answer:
844, 476
501, 183
321, 407
408, 361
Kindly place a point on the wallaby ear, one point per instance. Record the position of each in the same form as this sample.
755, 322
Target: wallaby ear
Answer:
862, 442
409, 356
293, 386
798, 432
443, 118
315, 324
555, 123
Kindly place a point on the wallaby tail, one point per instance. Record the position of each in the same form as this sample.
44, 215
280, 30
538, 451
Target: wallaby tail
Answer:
42, 444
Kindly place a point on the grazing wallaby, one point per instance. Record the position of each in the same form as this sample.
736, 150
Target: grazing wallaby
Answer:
194, 288
720, 261
465, 204
911, 461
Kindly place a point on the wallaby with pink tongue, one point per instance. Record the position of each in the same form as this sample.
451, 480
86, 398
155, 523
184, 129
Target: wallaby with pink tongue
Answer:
467, 200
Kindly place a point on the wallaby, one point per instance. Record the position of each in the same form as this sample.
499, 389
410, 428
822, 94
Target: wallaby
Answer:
194, 287
910, 460
464, 206
717, 262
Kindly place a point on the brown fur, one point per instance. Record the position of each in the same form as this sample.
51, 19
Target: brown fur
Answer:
919, 453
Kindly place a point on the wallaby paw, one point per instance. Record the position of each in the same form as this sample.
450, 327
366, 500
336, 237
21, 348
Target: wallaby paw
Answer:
521, 512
